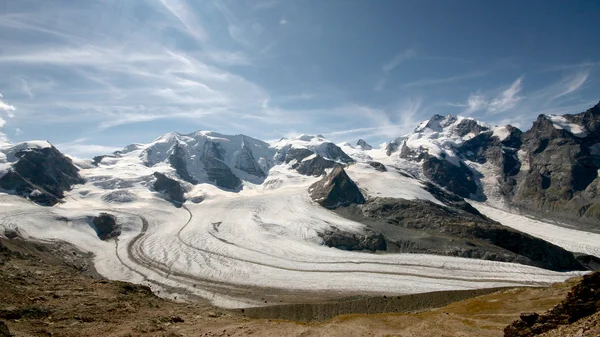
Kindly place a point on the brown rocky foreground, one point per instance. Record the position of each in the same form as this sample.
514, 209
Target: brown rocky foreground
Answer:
51, 290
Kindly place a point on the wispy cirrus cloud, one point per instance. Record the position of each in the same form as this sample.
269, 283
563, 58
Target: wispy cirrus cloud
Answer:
399, 59
573, 83
503, 100
445, 80
182, 11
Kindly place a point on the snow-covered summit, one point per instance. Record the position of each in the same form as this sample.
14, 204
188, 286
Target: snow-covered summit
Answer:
198, 157
318, 145
439, 136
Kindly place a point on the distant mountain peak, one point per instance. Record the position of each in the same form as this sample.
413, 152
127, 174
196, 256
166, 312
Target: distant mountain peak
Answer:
363, 145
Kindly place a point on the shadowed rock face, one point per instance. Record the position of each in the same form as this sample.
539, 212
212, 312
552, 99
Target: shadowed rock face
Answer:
177, 161
170, 188
106, 226
457, 179
247, 163
335, 190
216, 170
41, 174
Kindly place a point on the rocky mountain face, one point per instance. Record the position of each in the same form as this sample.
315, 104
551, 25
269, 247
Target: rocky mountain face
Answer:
170, 188
224, 161
40, 173
551, 169
562, 155
310, 155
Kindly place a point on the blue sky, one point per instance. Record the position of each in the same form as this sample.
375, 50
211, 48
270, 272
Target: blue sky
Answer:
94, 76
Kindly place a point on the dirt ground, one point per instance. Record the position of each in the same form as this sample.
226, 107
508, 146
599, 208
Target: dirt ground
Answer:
43, 294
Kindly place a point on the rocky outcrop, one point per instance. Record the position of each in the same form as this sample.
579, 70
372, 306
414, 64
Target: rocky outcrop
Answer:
369, 240
170, 188
582, 301
377, 165
106, 226
364, 145
41, 174
335, 190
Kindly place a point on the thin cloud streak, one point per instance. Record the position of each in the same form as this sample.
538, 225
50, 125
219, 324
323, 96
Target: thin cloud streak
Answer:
399, 59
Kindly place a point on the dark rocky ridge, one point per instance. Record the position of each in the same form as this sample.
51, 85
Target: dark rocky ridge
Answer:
43, 175
170, 188
458, 230
335, 190
582, 301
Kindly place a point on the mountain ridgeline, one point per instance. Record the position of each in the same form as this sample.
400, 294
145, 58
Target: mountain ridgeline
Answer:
550, 171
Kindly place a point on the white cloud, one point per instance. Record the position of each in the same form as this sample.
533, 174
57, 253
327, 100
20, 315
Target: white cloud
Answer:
8, 110
503, 101
18, 132
573, 83
398, 59
183, 13
5, 107
508, 98
283, 22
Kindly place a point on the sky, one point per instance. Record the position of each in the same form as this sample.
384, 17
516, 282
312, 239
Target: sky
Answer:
94, 76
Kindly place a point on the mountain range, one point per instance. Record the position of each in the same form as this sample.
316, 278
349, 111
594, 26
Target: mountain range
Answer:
454, 187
